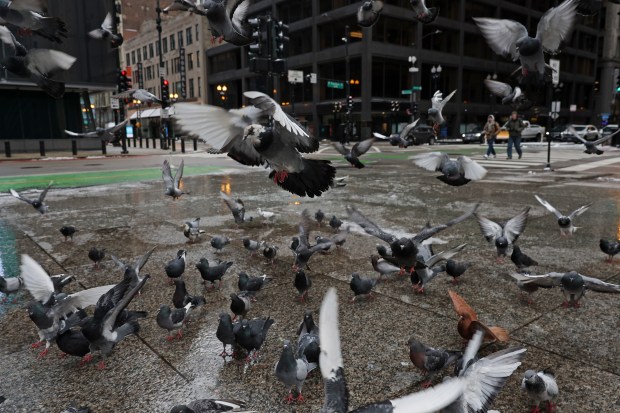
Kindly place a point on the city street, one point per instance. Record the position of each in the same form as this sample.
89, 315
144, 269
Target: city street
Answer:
118, 203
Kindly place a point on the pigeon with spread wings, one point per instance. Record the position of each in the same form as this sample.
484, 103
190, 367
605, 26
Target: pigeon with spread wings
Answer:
503, 234
106, 134
564, 221
240, 133
591, 147
438, 103
106, 32
173, 185
37, 203
237, 208
402, 139
30, 15
469, 323
454, 172
352, 155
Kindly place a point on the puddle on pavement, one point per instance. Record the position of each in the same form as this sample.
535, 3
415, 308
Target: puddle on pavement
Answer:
9, 262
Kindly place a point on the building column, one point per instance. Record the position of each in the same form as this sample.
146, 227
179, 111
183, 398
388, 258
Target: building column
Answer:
366, 83
610, 59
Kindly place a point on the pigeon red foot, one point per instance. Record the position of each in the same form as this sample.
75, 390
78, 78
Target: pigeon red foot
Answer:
37, 344
427, 384
101, 365
550, 407
535, 409
43, 353
87, 358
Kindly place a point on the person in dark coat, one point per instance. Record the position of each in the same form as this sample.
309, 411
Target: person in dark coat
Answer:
514, 126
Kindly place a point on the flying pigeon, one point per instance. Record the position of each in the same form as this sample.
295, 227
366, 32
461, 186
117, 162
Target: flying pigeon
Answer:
422, 13
211, 405
142, 95
191, 230
401, 141
503, 90
540, 387
68, 231
382, 266
469, 323
36, 65
229, 19
240, 133
219, 242
302, 283
173, 319
362, 286
176, 267
564, 221
456, 269
96, 255
430, 360
352, 155
224, 333
526, 285
454, 172
521, 260
319, 216
240, 304
503, 234
106, 31
132, 272
102, 329
270, 252
186, 5
592, 147
105, 134
426, 271
437, 105
236, 207
610, 248
213, 273
180, 297
30, 15
368, 13
510, 38
573, 285
174, 186
304, 251
251, 334
38, 203
292, 371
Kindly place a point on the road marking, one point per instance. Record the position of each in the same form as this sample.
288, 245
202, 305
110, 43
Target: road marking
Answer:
591, 165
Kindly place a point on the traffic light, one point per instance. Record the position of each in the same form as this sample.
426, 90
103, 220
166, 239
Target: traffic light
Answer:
123, 81
395, 106
165, 93
281, 39
259, 63
349, 103
127, 76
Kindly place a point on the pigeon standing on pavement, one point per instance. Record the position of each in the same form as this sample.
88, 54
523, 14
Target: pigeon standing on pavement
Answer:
236, 207
191, 230
468, 321
180, 297
510, 38
503, 235
219, 242
352, 155
368, 13
240, 304
251, 334
224, 333
173, 185
266, 214
308, 341
540, 387
292, 371
430, 360
435, 112
31, 16
229, 19
105, 134
270, 252
68, 231
132, 272
426, 271
422, 13
455, 269
319, 216
176, 267
106, 32
38, 203
252, 246
251, 285
454, 172
96, 255
173, 319
362, 286
564, 221
36, 65
335, 223
302, 283
213, 273
521, 260
610, 248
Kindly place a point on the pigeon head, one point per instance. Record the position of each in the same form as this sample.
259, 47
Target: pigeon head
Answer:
533, 382
527, 46
572, 280
181, 254
415, 345
501, 244
451, 170
116, 40
253, 133
367, 6
355, 276
225, 317
564, 222
164, 310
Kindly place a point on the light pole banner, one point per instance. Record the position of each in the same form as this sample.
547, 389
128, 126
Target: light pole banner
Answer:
555, 73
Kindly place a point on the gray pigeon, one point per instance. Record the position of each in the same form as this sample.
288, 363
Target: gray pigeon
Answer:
36, 65
225, 334
352, 155
132, 272
362, 286
38, 203
368, 13
30, 15
240, 133
308, 341
173, 185
454, 172
528, 286
105, 134
212, 406
503, 90
573, 285
176, 267
422, 13
564, 221
521, 260
229, 19
252, 246
240, 304
106, 32
213, 273
292, 371
191, 230
540, 387
304, 251
236, 207
430, 360
503, 234
142, 95
302, 283
186, 5
401, 140
173, 319
511, 39
426, 271
610, 248
437, 105
456, 269
382, 266
219, 242
251, 334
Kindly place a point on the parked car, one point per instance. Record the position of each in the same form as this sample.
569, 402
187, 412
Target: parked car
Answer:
556, 132
608, 130
531, 132
587, 132
473, 135
422, 134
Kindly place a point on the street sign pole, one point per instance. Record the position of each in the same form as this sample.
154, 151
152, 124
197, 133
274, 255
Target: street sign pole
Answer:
555, 106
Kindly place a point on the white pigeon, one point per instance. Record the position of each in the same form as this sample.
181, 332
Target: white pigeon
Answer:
454, 172
266, 214
540, 387
438, 103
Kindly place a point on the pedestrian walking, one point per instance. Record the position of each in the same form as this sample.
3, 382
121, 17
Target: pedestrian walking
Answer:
491, 128
514, 126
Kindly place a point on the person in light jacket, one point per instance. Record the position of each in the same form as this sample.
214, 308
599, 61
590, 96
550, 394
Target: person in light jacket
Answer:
491, 128
514, 126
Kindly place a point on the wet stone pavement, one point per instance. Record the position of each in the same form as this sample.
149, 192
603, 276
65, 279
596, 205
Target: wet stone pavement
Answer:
146, 373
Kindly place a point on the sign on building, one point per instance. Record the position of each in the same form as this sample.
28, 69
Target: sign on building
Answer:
182, 72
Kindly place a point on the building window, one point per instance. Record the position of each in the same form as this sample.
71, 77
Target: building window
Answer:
198, 58
133, 57
172, 46
151, 51
164, 45
127, 60
197, 36
157, 48
191, 88
199, 88
190, 61
188, 36
144, 57
139, 55
180, 38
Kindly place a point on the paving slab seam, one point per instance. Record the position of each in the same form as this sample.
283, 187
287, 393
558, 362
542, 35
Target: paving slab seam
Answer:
161, 357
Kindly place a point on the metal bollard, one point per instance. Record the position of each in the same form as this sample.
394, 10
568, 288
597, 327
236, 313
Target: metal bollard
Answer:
104, 149
182, 145
195, 144
135, 142
42, 148
74, 147
7, 149
140, 142
154, 143
174, 145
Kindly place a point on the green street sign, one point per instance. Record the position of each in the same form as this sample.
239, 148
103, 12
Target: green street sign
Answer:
405, 92
413, 89
335, 85
416, 88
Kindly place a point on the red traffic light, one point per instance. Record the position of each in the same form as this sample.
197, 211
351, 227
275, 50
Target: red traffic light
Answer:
165, 82
123, 73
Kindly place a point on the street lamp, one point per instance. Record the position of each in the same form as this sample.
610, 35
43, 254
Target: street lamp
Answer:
347, 76
337, 108
435, 75
222, 90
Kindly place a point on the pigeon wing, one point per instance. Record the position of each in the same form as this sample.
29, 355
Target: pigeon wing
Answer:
429, 400
113, 129
500, 89
515, 226
46, 61
143, 260
271, 108
36, 279
556, 25
461, 307
122, 304
580, 210
432, 161
362, 147
406, 129
340, 148
440, 105
81, 299
552, 279
595, 284
179, 174
81, 135
470, 168
166, 174
501, 35
43, 194
490, 229
120, 264
429, 231
18, 196
549, 207
370, 227
239, 16
230, 203
108, 23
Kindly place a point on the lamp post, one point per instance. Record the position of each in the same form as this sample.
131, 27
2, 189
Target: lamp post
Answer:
222, 90
347, 75
435, 76
138, 133
337, 108
491, 95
